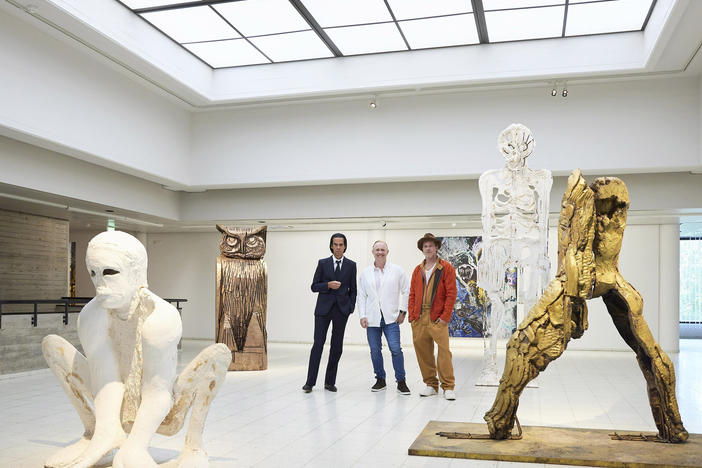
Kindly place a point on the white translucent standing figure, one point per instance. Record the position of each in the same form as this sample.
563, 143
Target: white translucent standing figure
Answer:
515, 234
125, 388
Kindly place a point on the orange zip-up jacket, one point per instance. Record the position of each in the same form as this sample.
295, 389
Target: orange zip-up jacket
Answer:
443, 293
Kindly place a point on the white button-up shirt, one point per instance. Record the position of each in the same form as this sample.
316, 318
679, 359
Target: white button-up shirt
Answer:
390, 295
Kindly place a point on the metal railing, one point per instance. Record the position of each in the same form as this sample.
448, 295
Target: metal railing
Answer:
66, 302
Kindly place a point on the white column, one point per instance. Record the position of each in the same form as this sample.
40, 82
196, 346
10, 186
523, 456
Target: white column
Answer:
669, 288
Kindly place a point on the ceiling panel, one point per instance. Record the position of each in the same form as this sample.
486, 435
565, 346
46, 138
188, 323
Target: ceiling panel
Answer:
329, 13
367, 39
232, 53
191, 24
292, 46
606, 17
440, 32
257, 17
410, 9
526, 23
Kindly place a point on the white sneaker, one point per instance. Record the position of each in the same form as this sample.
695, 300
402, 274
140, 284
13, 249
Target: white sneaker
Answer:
449, 394
429, 391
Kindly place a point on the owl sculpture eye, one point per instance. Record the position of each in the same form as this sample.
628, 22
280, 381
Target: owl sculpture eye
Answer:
254, 244
232, 241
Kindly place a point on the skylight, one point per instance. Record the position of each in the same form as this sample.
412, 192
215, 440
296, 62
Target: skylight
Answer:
231, 33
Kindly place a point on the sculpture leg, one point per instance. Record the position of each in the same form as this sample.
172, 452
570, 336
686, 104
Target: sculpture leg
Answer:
71, 369
196, 387
540, 339
488, 374
625, 306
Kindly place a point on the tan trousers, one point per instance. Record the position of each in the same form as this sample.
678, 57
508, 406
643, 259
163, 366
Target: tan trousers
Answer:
424, 334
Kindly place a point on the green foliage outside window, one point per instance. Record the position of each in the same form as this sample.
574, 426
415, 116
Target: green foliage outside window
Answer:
691, 280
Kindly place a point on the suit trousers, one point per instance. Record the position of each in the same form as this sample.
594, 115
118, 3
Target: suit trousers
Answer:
337, 319
424, 334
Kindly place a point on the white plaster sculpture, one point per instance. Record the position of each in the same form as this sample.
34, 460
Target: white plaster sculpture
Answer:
515, 203
125, 388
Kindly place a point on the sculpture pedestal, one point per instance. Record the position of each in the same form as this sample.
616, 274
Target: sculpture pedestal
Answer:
557, 445
251, 359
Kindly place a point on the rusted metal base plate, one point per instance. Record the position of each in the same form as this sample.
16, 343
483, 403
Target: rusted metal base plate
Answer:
559, 446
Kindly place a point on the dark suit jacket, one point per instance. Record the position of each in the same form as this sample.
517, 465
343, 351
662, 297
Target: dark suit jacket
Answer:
345, 296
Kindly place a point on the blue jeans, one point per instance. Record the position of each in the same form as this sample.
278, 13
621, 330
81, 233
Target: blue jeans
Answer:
392, 334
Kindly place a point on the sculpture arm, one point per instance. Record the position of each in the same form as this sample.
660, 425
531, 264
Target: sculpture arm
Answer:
485, 186
161, 333
105, 382
318, 284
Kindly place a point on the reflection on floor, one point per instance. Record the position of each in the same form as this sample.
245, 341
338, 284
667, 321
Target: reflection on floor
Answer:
263, 419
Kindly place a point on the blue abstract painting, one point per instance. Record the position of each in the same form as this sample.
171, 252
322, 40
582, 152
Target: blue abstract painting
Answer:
468, 318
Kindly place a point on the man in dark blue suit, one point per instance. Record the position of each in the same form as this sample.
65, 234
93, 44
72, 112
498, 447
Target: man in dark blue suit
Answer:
335, 281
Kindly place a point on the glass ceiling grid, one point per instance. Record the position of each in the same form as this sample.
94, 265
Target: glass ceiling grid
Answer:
233, 33
399, 29
237, 30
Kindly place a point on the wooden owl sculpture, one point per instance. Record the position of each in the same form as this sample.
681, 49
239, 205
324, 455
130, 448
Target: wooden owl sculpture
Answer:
241, 292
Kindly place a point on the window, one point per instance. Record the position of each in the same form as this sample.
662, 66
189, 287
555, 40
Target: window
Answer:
230, 33
691, 280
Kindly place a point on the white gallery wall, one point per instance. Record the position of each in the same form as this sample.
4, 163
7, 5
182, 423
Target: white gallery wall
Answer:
183, 265
615, 127
60, 94
32, 167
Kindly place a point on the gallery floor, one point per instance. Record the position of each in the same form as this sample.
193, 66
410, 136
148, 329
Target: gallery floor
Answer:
263, 419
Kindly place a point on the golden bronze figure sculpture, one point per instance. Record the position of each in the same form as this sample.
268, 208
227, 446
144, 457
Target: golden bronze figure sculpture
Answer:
241, 293
590, 232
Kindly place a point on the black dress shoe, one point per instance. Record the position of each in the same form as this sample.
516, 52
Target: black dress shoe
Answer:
307, 388
329, 387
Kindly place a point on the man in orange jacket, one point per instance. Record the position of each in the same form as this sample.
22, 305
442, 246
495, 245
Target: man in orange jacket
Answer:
431, 300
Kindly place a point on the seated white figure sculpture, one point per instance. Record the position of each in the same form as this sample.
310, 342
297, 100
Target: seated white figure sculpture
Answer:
515, 203
125, 388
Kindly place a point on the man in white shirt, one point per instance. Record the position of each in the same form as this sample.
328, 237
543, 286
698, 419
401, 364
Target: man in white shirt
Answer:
383, 291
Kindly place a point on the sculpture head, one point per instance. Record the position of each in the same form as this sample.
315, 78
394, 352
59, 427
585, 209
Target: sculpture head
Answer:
515, 143
246, 242
117, 264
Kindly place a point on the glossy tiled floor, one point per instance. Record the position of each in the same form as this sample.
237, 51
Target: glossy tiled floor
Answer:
263, 419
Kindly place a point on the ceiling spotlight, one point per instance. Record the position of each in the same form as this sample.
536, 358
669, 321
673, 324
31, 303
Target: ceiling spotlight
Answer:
373, 103
565, 92
554, 91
